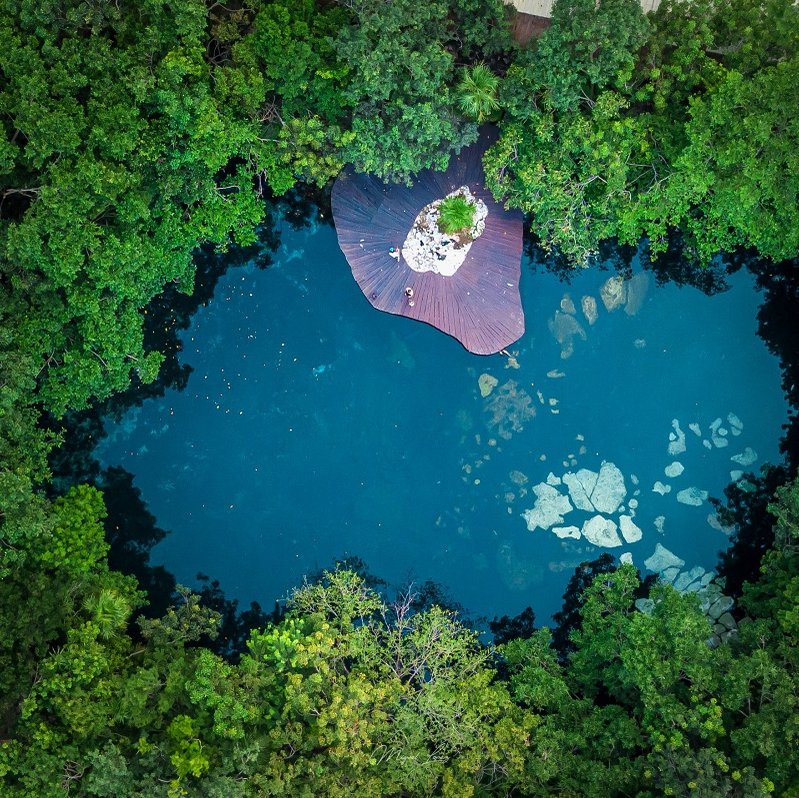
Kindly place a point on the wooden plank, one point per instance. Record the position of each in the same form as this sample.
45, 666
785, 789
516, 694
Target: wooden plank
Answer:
480, 303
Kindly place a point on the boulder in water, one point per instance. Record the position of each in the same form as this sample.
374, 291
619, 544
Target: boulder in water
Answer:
692, 496
746, 458
662, 559
610, 490
674, 470
629, 531
589, 306
613, 292
577, 488
549, 508
601, 531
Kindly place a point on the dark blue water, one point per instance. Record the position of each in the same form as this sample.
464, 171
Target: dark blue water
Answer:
314, 426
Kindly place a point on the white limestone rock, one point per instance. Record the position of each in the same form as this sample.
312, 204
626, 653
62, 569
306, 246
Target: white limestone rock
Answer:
566, 531
687, 577
589, 306
553, 480
626, 558
427, 249
736, 474
601, 531
677, 442
613, 292
670, 574
629, 531
660, 523
661, 488
707, 444
746, 457
674, 470
634, 479
633, 504
567, 305
549, 508
610, 490
662, 559
734, 421
692, 496
696, 429
580, 486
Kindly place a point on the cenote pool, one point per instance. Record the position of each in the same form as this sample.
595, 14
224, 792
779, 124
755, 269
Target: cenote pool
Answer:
314, 427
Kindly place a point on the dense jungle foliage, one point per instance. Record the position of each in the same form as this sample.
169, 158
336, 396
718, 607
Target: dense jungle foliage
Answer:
134, 133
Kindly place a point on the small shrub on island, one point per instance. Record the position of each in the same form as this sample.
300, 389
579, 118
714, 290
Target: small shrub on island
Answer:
455, 214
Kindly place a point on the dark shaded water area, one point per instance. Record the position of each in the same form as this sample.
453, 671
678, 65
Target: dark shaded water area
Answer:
313, 427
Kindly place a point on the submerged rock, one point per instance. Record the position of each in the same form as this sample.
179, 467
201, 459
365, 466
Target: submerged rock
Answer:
613, 292
660, 523
692, 496
713, 521
682, 582
637, 286
567, 305
549, 508
696, 429
553, 480
676, 439
610, 490
670, 574
662, 559
601, 531
674, 470
564, 328
629, 531
509, 408
626, 558
734, 421
589, 306
746, 458
487, 383
645, 605
660, 488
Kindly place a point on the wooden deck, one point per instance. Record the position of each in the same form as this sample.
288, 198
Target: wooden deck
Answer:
480, 304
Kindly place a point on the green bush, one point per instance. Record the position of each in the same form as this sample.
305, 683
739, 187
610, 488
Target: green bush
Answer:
455, 214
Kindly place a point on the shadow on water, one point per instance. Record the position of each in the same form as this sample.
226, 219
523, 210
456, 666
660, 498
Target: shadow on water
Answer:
131, 529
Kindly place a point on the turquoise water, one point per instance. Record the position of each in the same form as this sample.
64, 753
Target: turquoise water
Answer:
313, 427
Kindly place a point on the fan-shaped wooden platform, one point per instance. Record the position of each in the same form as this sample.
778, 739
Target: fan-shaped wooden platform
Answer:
480, 304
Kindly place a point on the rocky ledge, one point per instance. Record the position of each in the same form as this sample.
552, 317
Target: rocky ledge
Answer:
427, 249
